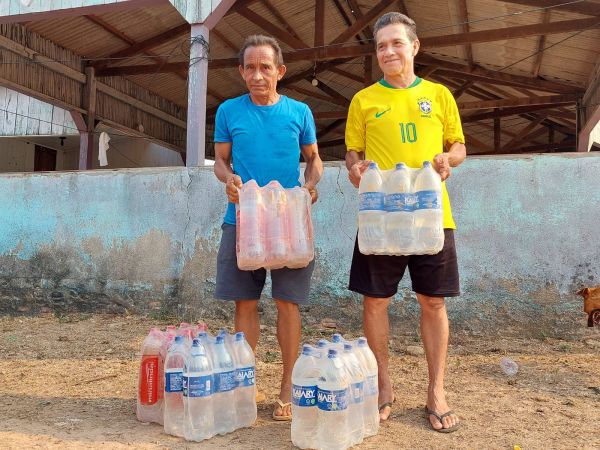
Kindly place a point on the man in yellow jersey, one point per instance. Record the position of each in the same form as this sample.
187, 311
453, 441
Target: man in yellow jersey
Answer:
403, 118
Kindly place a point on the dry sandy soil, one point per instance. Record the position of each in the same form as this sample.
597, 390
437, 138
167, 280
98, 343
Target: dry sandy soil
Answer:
69, 382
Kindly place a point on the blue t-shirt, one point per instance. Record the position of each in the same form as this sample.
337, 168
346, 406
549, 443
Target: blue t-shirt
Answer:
265, 140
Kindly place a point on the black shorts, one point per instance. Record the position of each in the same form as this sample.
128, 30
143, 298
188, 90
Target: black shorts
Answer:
291, 285
432, 275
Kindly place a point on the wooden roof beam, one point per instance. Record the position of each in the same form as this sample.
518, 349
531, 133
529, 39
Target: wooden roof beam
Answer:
280, 18
225, 40
505, 112
519, 101
540, 48
279, 33
524, 132
463, 14
319, 39
331, 127
585, 7
363, 22
312, 94
502, 34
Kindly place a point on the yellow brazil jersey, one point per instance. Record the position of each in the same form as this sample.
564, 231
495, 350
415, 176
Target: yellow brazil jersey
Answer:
409, 125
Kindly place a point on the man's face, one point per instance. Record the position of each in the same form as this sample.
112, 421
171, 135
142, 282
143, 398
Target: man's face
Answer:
260, 72
395, 52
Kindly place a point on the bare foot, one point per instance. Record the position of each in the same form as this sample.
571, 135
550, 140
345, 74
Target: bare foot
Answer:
436, 402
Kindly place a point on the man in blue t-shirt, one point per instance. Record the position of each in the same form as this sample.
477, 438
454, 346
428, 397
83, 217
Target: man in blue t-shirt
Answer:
264, 134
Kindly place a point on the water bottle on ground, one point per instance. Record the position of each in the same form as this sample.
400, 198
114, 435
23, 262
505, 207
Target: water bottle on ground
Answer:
371, 214
198, 422
305, 377
509, 367
224, 385
356, 426
321, 350
250, 246
399, 205
245, 392
275, 225
428, 216
173, 406
150, 379
371, 411
332, 400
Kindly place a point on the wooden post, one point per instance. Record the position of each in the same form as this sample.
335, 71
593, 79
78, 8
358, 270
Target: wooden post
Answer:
86, 138
197, 84
497, 135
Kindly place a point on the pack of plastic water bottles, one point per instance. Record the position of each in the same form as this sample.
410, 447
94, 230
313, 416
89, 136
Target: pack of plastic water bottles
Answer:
334, 395
400, 211
195, 384
274, 227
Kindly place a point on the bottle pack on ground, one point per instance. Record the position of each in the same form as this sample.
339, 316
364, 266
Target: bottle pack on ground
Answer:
198, 422
400, 211
274, 227
245, 391
224, 385
173, 399
305, 377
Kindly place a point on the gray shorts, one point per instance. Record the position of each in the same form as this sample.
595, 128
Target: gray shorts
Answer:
290, 285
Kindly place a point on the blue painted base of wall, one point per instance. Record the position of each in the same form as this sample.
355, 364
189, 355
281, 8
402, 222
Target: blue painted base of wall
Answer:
146, 240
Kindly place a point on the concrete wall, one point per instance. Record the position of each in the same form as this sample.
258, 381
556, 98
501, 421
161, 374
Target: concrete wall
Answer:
147, 239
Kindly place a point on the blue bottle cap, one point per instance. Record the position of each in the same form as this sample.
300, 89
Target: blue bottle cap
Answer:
306, 350
202, 334
196, 343
347, 347
373, 165
426, 163
332, 353
178, 339
337, 337
220, 339
240, 336
362, 342
322, 343
400, 166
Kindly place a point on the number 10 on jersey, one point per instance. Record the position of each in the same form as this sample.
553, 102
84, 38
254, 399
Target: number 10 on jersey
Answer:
408, 132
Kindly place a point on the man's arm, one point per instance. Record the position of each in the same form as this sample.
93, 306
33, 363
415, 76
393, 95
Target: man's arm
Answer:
443, 162
224, 172
356, 165
314, 169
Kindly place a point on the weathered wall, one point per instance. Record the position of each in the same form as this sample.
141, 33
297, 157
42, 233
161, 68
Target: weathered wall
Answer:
147, 239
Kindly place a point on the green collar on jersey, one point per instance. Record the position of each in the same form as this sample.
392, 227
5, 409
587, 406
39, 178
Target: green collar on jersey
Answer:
388, 85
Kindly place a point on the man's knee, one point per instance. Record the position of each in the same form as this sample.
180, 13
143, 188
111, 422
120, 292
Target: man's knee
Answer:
375, 306
246, 306
431, 303
284, 307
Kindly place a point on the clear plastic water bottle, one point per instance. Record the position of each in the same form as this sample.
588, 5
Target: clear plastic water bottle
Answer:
337, 342
428, 216
275, 225
299, 228
321, 350
356, 426
198, 422
371, 214
399, 205
305, 377
332, 400
173, 409
245, 392
150, 379
224, 385
250, 210
371, 411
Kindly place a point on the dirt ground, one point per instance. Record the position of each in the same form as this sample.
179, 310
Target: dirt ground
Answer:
69, 382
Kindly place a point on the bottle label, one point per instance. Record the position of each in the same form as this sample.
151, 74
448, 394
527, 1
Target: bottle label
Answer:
245, 377
358, 392
371, 201
173, 380
149, 380
225, 381
428, 200
371, 387
197, 386
332, 400
400, 202
304, 395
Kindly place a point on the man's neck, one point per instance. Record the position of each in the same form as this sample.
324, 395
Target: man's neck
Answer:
267, 100
401, 81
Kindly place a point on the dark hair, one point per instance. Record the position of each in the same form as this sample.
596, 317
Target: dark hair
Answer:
259, 40
392, 18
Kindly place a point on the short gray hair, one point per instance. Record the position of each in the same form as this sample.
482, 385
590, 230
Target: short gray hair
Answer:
393, 18
260, 40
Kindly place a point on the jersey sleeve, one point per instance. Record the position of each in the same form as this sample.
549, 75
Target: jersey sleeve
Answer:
355, 127
222, 133
452, 126
308, 135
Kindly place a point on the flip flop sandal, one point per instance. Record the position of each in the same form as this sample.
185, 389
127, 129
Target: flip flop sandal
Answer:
382, 407
281, 418
451, 429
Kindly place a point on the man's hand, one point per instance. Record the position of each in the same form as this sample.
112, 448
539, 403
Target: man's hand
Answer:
232, 185
312, 190
441, 163
356, 172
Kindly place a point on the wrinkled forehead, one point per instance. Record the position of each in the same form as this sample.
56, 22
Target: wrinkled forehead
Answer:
391, 32
259, 54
